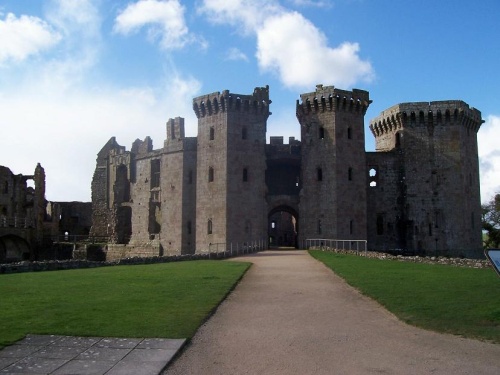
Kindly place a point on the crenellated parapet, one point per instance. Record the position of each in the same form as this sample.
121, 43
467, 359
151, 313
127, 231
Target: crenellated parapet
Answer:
329, 99
449, 112
215, 103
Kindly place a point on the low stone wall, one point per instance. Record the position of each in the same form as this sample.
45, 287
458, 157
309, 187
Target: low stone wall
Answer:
460, 262
57, 265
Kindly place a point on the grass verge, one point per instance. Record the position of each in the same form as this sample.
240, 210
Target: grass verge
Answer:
159, 300
460, 301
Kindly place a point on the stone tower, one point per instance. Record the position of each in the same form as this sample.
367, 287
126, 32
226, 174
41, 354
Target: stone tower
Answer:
333, 195
230, 198
424, 179
178, 190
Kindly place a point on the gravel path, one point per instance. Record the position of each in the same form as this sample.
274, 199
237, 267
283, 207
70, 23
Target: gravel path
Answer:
292, 315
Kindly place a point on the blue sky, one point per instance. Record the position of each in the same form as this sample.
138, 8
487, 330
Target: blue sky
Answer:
74, 73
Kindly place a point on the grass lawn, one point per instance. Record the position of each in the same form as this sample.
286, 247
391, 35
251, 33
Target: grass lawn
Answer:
461, 301
159, 300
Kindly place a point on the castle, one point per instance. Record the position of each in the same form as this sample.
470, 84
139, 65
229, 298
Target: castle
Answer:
419, 191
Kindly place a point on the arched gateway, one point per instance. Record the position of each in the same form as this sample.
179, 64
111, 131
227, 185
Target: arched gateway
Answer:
283, 187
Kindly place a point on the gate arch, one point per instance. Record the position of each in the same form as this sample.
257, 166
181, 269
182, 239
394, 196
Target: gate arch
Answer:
13, 248
283, 226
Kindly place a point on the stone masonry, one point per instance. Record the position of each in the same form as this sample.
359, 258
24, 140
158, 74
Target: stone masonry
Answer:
225, 188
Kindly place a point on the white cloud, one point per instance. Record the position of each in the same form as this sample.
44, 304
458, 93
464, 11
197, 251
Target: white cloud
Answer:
489, 157
21, 37
64, 130
164, 20
291, 46
246, 15
236, 54
312, 3
298, 52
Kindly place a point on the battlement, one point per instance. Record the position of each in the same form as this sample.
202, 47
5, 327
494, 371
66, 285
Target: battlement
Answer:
328, 98
214, 103
448, 112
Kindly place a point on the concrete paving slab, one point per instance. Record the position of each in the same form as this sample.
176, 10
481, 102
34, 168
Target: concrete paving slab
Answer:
103, 354
83, 367
34, 365
121, 343
19, 351
88, 355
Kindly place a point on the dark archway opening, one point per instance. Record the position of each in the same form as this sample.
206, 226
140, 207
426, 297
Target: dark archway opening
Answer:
283, 228
13, 249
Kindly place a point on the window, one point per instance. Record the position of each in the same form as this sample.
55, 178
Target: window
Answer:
398, 140
155, 173
321, 132
212, 133
372, 176
190, 177
349, 133
351, 227
349, 174
244, 134
319, 173
188, 227
210, 174
319, 227
209, 226
273, 224
380, 224
245, 174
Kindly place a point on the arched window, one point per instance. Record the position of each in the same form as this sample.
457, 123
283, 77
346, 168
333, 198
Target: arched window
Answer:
209, 226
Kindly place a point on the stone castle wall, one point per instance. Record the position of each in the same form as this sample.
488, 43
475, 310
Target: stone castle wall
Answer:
419, 190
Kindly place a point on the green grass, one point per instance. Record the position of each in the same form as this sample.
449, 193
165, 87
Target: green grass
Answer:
160, 300
460, 301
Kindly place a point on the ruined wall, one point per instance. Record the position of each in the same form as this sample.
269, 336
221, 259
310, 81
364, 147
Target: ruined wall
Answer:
333, 195
22, 213
75, 217
146, 194
438, 194
104, 222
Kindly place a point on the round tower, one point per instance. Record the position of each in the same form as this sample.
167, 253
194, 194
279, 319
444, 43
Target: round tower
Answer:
436, 202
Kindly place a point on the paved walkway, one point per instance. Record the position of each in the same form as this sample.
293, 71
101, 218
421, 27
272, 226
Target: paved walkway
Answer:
292, 315
64, 355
